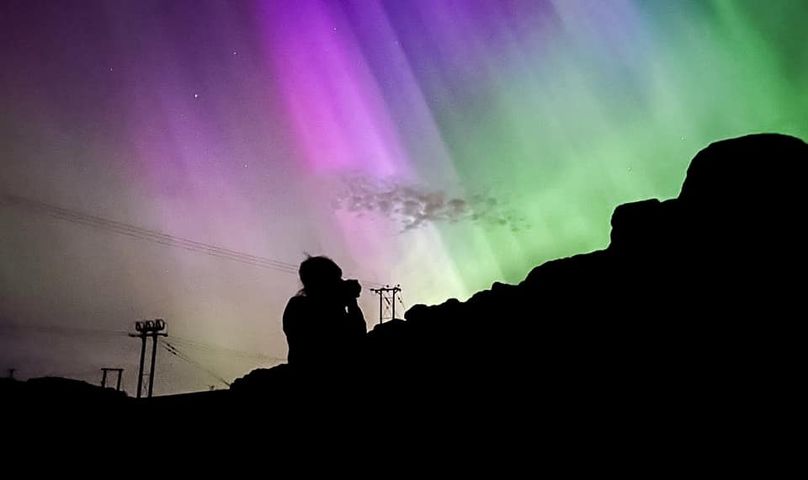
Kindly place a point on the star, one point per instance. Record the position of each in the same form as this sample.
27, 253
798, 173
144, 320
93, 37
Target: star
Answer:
196, 95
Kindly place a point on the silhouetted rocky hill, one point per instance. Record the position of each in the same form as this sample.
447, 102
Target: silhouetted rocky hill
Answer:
691, 315
685, 329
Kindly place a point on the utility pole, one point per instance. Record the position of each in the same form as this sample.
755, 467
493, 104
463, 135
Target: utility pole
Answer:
382, 292
104, 372
145, 329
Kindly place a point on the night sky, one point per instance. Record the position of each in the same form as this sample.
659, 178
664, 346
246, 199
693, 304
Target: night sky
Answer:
178, 158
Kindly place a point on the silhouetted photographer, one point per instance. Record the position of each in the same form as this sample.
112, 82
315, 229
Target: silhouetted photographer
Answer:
323, 323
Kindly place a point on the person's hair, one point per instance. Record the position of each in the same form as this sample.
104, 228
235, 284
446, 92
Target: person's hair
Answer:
316, 272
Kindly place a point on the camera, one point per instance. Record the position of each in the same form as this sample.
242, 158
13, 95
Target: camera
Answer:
350, 288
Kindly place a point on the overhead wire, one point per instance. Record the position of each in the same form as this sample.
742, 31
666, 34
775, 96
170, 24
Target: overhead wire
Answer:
177, 353
133, 231
223, 350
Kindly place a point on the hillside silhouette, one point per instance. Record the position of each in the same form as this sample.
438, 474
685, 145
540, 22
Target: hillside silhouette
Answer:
683, 283
685, 327
687, 322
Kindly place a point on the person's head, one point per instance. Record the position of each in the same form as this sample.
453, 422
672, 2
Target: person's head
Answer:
320, 276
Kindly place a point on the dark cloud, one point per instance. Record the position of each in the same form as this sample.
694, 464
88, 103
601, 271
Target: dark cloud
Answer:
412, 206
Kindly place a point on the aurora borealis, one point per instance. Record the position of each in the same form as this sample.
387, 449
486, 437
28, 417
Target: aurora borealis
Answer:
442, 145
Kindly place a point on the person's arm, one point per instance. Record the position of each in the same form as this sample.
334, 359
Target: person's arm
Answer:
294, 328
291, 317
356, 316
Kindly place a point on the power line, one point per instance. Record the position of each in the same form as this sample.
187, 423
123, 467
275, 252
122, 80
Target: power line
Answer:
141, 233
78, 331
172, 349
63, 330
401, 301
223, 350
